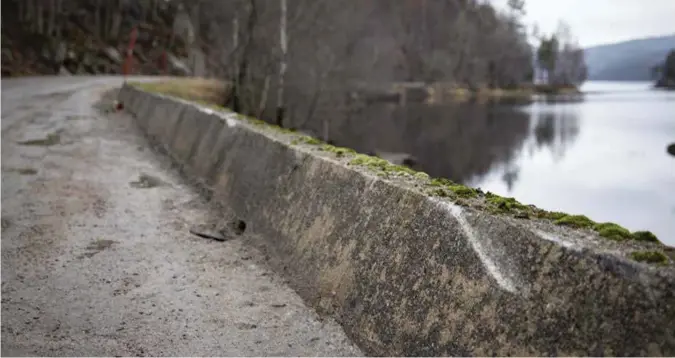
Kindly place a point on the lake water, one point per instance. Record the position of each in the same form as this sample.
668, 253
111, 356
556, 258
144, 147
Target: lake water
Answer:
603, 156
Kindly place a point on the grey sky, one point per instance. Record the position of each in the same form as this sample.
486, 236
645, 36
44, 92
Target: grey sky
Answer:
596, 22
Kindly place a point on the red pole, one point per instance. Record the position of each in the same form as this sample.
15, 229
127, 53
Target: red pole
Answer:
130, 53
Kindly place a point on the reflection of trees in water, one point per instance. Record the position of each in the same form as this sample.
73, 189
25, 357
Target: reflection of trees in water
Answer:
556, 128
510, 176
458, 141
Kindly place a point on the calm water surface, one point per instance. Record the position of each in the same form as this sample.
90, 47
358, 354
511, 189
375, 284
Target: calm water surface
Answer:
604, 156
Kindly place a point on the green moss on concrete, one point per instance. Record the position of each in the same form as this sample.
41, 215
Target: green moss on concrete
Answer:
338, 151
303, 139
652, 257
575, 221
550, 215
644, 236
311, 140
506, 205
441, 187
464, 191
286, 130
380, 165
441, 182
612, 231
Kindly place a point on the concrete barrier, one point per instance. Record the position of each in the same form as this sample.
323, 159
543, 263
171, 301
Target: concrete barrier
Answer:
413, 266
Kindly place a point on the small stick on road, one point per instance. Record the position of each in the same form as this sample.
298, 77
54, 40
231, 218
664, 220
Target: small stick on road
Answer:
208, 235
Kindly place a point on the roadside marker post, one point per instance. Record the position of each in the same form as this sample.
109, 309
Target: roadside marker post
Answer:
126, 68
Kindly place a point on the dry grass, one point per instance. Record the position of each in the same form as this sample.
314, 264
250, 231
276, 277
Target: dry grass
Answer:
193, 89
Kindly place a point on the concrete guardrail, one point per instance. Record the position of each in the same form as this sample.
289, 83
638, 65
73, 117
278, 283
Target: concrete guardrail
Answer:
414, 266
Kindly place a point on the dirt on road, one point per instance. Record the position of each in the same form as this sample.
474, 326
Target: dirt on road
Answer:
97, 254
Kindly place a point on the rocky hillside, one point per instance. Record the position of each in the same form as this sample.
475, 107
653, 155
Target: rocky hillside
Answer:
90, 37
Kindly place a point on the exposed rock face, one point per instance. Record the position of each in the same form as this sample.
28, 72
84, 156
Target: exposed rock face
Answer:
76, 45
671, 149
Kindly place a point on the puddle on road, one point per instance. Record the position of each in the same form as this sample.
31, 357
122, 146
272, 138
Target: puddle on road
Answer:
49, 140
146, 181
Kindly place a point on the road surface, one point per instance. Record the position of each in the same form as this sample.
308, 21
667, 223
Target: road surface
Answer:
97, 258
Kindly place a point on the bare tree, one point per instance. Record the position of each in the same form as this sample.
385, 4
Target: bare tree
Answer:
283, 42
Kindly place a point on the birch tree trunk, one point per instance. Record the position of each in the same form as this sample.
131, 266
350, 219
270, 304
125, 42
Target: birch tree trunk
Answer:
283, 65
263, 98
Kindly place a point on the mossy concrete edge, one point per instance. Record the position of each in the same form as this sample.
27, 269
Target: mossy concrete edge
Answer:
407, 273
441, 187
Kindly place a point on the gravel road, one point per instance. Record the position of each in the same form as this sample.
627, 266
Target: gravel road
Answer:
97, 258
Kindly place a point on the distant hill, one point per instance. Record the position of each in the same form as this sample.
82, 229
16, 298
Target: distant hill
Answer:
629, 60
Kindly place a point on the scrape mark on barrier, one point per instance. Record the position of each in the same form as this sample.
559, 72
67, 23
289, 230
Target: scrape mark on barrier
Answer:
491, 266
230, 120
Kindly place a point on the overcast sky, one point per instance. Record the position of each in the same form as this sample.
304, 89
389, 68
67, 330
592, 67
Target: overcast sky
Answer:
596, 22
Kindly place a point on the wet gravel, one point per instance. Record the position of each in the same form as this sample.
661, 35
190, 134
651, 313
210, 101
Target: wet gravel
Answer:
97, 254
